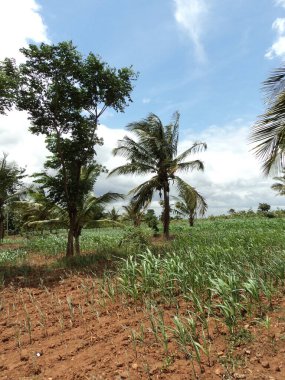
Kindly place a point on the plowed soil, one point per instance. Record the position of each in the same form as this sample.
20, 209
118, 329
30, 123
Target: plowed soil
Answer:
60, 325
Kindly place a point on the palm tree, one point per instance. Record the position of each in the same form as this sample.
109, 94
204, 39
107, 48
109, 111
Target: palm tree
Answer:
279, 186
10, 184
134, 214
90, 213
269, 132
189, 203
155, 152
87, 205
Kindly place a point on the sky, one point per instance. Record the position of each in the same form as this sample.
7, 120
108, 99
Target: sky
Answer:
205, 59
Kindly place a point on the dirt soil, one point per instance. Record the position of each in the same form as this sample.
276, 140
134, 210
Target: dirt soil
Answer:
67, 327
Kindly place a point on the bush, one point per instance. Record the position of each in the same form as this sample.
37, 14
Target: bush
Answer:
135, 239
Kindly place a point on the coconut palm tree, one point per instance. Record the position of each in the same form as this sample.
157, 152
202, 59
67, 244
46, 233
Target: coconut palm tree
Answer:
189, 203
269, 132
134, 214
10, 186
155, 152
280, 185
88, 205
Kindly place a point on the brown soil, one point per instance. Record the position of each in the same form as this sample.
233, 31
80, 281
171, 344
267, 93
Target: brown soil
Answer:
66, 327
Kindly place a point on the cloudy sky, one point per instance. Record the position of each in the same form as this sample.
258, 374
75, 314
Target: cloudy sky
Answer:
205, 59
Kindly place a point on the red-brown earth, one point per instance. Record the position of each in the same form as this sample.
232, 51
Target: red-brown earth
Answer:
59, 325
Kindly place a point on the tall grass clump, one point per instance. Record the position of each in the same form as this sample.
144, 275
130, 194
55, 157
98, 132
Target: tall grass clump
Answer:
226, 268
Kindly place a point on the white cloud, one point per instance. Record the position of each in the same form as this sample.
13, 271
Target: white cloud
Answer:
278, 47
20, 23
232, 177
280, 2
146, 100
25, 149
190, 16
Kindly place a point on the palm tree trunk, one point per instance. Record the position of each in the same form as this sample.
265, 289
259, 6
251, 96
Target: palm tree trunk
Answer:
166, 213
191, 220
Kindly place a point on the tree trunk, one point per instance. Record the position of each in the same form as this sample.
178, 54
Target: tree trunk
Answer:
166, 214
2, 227
77, 234
191, 220
71, 233
77, 244
69, 247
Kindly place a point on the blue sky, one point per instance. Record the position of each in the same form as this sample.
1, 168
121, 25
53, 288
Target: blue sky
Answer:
205, 59
222, 86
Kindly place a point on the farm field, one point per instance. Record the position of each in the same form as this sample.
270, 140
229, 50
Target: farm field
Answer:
208, 304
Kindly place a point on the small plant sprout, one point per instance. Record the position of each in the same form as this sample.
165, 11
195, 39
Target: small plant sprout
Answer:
70, 308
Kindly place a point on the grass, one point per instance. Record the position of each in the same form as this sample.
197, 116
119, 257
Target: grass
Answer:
226, 271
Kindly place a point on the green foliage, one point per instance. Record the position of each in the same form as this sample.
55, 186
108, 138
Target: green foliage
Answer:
155, 151
268, 134
10, 183
8, 85
189, 203
279, 186
151, 220
263, 207
65, 94
135, 239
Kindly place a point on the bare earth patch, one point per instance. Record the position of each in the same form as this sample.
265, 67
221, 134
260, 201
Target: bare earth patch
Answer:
69, 328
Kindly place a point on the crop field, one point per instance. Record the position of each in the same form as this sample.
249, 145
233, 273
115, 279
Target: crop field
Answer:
208, 304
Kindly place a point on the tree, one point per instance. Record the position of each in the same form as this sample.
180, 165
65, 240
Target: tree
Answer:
37, 211
8, 85
152, 220
11, 182
269, 132
280, 185
134, 214
155, 151
65, 95
190, 203
88, 206
263, 207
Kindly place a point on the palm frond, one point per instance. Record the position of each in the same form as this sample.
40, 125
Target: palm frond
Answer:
195, 148
191, 197
190, 165
131, 168
142, 194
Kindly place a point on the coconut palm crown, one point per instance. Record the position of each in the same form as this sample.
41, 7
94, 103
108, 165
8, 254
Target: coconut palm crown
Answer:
154, 151
269, 132
280, 185
189, 203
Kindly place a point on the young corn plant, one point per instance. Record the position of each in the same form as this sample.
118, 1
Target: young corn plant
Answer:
183, 336
28, 324
71, 309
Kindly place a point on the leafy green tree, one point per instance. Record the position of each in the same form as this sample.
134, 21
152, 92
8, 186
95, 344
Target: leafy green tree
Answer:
151, 220
268, 134
8, 85
190, 203
155, 152
10, 185
263, 207
65, 95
